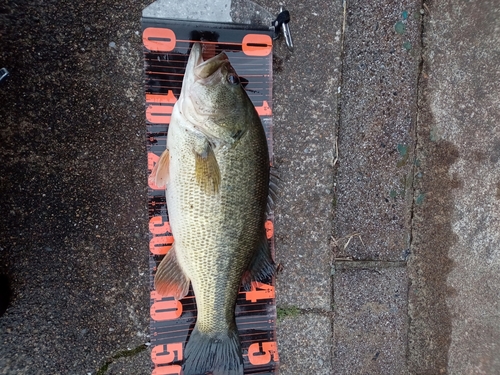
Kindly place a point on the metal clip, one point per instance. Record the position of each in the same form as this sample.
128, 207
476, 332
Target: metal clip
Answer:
3, 74
280, 25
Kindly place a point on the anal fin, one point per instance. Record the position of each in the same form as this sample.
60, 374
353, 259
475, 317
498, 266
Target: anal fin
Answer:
170, 280
261, 266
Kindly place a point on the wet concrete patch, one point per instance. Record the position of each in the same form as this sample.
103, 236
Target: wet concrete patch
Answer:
454, 264
429, 263
124, 362
5, 293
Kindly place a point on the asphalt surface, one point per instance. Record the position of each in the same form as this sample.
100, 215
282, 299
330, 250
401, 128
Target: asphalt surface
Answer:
73, 185
387, 142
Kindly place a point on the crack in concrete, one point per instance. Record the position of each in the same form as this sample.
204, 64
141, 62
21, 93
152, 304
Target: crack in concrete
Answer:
432, 235
415, 133
414, 167
330, 313
342, 264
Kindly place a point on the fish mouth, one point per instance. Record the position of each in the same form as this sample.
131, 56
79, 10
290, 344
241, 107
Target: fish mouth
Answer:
205, 73
205, 69
197, 68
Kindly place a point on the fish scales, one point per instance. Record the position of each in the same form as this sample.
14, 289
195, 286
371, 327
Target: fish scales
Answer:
215, 235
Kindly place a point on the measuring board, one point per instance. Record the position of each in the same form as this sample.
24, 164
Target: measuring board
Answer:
167, 44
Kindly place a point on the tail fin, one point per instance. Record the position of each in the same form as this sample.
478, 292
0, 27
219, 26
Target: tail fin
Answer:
215, 354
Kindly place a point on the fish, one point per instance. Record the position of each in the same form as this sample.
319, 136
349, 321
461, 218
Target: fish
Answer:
216, 172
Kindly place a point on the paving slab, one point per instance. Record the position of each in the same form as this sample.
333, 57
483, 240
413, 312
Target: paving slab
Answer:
376, 131
306, 339
455, 262
304, 118
370, 324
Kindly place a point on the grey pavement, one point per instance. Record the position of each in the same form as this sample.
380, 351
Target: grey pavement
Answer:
387, 142
376, 130
370, 326
455, 261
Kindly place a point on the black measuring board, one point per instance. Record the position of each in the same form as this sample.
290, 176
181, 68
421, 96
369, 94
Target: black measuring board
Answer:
167, 44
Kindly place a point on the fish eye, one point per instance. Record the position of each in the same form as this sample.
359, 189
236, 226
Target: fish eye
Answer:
233, 79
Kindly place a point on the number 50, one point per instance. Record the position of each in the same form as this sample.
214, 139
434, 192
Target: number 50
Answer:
260, 353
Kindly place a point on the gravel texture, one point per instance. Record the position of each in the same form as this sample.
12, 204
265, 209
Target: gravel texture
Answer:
376, 132
309, 335
370, 324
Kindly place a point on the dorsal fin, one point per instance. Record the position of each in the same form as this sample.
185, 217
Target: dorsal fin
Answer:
274, 180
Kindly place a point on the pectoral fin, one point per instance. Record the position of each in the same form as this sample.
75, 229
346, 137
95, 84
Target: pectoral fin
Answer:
262, 265
160, 173
170, 280
207, 169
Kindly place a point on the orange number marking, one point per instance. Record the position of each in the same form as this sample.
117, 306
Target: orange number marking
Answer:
155, 296
257, 45
160, 245
269, 229
158, 39
165, 310
161, 98
167, 370
264, 109
159, 114
259, 291
261, 353
165, 354
152, 160
158, 226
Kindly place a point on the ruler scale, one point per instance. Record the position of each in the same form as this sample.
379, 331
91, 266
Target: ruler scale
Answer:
167, 45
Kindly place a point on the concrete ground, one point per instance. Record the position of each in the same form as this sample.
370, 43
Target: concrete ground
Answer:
387, 141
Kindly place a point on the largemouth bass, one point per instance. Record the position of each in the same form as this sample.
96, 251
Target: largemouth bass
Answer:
216, 173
